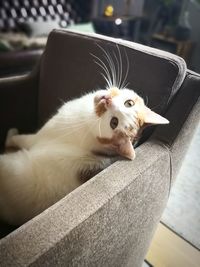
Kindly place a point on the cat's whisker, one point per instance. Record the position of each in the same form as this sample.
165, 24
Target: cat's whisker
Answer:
103, 66
117, 71
108, 78
147, 100
71, 128
73, 119
68, 120
111, 66
120, 69
108, 82
100, 135
127, 71
65, 131
66, 127
114, 71
66, 134
74, 128
125, 85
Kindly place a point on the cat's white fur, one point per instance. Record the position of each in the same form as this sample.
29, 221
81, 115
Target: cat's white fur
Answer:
48, 164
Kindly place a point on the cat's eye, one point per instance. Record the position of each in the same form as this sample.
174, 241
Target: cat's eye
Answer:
129, 103
114, 122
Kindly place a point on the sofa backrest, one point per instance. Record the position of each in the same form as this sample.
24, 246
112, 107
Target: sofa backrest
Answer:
68, 70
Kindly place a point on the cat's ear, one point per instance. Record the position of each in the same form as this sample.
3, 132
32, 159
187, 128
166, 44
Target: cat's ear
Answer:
151, 117
125, 148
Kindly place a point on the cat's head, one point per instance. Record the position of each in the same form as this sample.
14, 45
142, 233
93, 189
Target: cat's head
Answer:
122, 115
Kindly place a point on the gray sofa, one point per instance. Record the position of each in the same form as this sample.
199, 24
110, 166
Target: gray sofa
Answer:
110, 219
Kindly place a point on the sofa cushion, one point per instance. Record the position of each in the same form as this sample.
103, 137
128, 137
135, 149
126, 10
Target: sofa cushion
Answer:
68, 70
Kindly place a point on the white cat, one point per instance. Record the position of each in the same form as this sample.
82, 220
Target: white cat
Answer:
81, 139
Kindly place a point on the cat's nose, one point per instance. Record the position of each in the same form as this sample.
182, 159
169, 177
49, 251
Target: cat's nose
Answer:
103, 99
107, 100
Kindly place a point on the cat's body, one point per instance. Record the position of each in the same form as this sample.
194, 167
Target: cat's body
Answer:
83, 138
50, 163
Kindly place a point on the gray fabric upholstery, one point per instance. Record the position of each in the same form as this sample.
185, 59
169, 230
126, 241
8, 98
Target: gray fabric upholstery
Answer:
102, 222
109, 220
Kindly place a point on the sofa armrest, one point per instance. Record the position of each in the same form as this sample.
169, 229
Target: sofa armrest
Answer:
18, 62
183, 114
108, 221
18, 104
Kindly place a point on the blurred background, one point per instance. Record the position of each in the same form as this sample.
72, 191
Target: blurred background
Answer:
171, 25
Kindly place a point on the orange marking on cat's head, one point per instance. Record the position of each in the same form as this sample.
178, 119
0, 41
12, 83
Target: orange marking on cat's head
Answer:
141, 110
141, 119
102, 103
100, 109
114, 91
104, 141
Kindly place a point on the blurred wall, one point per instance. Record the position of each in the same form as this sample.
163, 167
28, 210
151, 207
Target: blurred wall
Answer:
147, 7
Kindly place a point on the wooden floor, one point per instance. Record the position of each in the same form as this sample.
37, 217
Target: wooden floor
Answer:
169, 250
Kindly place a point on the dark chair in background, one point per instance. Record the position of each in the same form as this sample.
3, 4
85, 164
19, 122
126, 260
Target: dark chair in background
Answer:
30, 19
